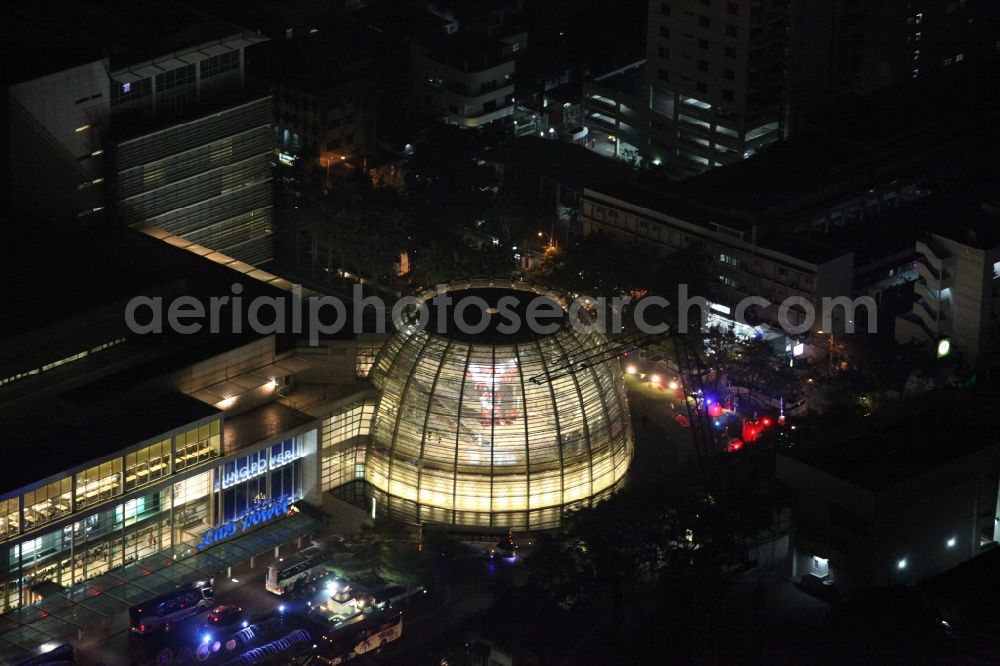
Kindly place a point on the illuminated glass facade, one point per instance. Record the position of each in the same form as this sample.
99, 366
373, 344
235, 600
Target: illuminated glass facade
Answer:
462, 435
274, 472
175, 490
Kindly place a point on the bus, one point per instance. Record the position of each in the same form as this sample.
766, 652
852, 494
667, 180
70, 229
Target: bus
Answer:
286, 577
371, 634
164, 610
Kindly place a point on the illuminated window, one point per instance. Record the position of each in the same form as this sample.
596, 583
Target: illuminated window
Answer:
98, 483
48, 503
10, 524
197, 445
147, 465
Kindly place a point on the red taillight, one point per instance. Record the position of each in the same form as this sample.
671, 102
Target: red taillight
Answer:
142, 628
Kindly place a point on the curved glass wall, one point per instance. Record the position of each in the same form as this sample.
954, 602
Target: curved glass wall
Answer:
463, 436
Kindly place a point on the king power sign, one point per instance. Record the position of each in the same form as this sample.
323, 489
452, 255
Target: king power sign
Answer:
257, 515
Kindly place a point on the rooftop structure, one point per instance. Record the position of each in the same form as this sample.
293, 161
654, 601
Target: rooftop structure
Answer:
895, 497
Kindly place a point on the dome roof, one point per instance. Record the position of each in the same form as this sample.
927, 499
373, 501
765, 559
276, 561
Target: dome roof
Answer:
462, 435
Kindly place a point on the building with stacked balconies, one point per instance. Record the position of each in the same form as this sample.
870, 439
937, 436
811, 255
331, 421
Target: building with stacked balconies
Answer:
957, 291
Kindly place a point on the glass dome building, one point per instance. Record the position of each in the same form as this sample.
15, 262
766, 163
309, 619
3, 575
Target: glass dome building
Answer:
487, 428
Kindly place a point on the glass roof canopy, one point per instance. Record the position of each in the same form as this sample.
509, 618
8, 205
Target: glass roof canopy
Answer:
57, 618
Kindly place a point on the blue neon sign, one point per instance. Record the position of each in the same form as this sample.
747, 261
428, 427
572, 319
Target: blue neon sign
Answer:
256, 465
258, 514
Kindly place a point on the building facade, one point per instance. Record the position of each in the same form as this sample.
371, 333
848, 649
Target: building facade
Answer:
614, 112
956, 295
868, 510
743, 263
716, 74
176, 140
466, 78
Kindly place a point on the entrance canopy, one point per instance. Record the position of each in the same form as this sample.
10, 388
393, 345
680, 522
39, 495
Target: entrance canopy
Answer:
55, 619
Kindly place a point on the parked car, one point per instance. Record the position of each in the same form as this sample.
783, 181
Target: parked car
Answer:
223, 615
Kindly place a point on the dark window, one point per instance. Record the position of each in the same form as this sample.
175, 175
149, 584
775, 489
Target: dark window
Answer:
730, 52
174, 78
702, 43
729, 74
219, 64
704, 22
732, 31
663, 52
664, 31
728, 95
733, 8
663, 75
703, 65
702, 86
665, 9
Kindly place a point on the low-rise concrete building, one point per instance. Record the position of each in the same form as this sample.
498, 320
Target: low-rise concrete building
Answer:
894, 498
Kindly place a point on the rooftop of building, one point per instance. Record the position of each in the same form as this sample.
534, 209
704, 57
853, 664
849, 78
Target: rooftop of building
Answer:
40, 39
402, 20
902, 442
64, 271
325, 60
888, 134
558, 161
674, 200
469, 51
88, 268
966, 212
912, 107
629, 80
65, 440
260, 424
777, 176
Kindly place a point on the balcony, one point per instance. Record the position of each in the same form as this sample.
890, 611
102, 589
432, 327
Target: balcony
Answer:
934, 253
932, 318
931, 296
934, 276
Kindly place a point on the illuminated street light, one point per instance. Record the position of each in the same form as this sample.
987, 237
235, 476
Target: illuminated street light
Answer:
654, 379
943, 347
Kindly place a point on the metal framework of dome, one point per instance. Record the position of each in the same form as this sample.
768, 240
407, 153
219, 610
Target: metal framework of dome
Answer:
462, 436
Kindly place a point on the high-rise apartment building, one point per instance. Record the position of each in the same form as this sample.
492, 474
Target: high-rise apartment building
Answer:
908, 39
957, 291
842, 47
716, 72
